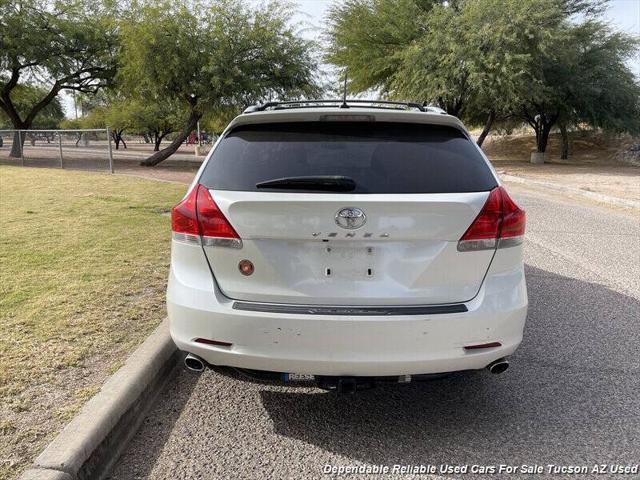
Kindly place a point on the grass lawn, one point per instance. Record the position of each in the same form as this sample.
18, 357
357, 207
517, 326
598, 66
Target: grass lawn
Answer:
83, 268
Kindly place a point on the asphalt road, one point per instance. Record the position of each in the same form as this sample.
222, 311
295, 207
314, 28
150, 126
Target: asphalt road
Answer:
571, 396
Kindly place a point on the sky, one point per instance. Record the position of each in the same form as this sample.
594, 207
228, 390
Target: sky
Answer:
623, 15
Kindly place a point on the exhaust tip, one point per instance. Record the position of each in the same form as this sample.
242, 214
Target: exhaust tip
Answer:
498, 366
194, 363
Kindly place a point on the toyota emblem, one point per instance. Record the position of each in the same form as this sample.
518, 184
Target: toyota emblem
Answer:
350, 218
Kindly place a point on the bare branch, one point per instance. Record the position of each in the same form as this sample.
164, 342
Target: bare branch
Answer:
42, 103
13, 81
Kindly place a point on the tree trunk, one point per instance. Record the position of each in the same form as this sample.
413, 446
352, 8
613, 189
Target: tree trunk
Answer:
166, 152
542, 138
487, 128
18, 145
565, 142
157, 141
118, 139
453, 107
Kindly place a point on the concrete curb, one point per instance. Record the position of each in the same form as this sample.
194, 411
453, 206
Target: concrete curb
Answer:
599, 197
89, 445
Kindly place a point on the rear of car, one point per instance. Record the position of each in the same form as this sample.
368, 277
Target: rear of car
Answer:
363, 242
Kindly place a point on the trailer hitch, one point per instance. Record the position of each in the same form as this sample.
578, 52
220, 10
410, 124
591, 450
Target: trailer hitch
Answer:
344, 385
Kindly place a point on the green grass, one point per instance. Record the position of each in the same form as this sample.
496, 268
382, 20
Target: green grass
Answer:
83, 268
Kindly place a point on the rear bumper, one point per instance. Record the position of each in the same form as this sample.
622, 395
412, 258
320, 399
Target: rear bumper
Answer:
346, 345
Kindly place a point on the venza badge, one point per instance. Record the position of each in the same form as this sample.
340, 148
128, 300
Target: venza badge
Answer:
350, 218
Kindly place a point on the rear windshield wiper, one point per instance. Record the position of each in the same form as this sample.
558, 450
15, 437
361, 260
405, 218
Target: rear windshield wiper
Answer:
330, 183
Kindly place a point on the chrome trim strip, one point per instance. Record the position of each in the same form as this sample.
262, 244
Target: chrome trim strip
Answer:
347, 310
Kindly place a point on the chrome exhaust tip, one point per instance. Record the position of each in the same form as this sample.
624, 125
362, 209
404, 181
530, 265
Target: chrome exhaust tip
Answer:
194, 363
498, 366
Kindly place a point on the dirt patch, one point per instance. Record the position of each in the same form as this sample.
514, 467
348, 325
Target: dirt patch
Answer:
587, 148
178, 173
594, 164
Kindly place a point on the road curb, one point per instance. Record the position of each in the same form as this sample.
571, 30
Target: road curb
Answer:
599, 197
89, 445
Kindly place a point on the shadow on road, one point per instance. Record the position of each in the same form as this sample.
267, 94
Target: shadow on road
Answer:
571, 395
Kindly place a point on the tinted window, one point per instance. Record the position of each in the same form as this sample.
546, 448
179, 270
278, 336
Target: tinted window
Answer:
380, 157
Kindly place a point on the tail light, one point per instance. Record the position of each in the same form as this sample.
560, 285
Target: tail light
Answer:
197, 219
499, 224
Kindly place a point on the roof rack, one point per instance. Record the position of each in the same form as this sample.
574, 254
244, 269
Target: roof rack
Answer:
382, 104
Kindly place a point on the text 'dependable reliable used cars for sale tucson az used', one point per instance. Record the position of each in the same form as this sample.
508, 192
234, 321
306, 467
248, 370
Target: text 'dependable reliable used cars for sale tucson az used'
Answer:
348, 242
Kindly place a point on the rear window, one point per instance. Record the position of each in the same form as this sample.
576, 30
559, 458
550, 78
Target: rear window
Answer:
379, 157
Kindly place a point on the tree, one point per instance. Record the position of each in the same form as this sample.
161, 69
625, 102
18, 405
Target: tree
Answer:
120, 113
476, 61
67, 44
583, 78
482, 60
472, 58
156, 118
206, 58
24, 96
115, 114
216, 121
369, 38
48, 118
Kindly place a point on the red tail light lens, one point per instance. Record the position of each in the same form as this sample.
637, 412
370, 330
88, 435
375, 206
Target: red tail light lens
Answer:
500, 223
199, 216
486, 226
212, 222
513, 218
184, 218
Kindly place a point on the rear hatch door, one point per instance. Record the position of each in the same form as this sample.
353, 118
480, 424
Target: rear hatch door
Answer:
389, 238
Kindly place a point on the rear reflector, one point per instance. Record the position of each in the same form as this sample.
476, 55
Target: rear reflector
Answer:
246, 267
197, 219
483, 345
499, 224
216, 343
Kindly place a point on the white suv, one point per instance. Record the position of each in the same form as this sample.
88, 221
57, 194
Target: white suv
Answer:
371, 240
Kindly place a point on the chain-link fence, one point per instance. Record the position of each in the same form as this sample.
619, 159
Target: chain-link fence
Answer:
86, 149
